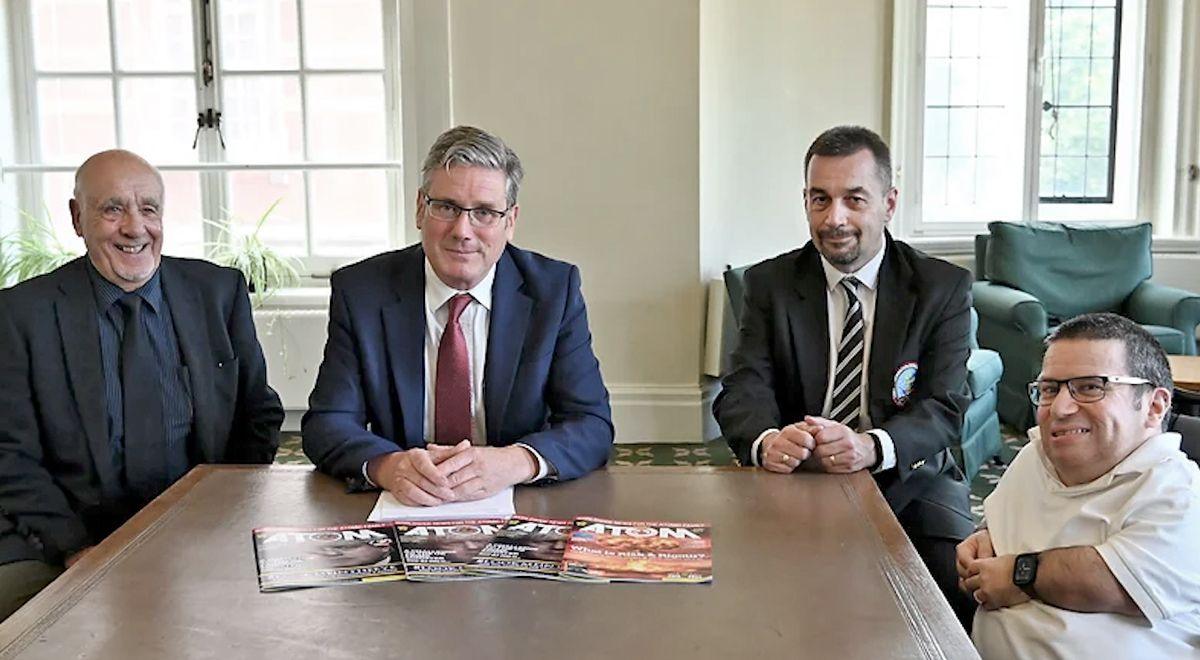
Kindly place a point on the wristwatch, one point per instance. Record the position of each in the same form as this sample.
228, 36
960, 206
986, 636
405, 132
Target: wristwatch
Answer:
1025, 573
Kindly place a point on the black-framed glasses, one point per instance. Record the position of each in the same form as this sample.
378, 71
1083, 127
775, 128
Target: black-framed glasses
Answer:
447, 211
1084, 389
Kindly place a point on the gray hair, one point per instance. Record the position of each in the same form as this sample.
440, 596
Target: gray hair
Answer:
467, 145
849, 140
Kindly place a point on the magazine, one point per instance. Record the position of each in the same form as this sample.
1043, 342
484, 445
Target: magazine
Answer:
526, 546
618, 550
435, 551
296, 557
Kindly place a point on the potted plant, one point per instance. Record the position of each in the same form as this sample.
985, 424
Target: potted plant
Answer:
266, 270
32, 250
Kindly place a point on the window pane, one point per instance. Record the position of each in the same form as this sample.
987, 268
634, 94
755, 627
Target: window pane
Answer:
183, 229
350, 210
158, 118
75, 118
346, 117
252, 193
1079, 98
343, 34
70, 35
258, 35
262, 119
974, 110
57, 190
154, 35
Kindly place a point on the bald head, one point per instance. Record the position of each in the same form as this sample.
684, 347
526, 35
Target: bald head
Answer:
117, 210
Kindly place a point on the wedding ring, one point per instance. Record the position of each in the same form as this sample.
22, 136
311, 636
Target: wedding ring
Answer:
786, 458
833, 459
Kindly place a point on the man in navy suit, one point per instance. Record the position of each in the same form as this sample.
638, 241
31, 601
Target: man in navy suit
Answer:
119, 371
852, 354
462, 365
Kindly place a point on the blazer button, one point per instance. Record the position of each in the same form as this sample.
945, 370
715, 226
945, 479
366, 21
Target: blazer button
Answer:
220, 365
917, 464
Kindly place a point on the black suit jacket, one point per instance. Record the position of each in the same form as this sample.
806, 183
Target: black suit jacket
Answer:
58, 489
780, 369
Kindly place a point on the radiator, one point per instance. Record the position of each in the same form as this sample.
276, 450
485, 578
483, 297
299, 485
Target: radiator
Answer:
293, 341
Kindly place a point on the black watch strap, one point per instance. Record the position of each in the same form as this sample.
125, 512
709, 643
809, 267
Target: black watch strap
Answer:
878, 451
1025, 570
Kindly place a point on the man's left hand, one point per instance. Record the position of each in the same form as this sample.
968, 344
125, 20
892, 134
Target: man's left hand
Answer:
479, 472
991, 583
840, 450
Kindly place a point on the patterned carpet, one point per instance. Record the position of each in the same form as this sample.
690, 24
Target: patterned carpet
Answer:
715, 453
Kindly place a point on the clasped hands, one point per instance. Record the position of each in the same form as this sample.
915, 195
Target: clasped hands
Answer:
986, 577
818, 444
438, 474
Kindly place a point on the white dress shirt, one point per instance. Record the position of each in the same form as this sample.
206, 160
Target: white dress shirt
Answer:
836, 303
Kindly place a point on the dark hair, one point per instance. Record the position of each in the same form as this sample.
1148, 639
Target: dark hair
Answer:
849, 140
1144, 357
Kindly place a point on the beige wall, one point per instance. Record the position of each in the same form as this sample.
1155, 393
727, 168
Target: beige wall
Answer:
774, 74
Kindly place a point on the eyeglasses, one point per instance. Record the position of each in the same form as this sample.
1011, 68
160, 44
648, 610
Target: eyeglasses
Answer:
1084, 389
447, 211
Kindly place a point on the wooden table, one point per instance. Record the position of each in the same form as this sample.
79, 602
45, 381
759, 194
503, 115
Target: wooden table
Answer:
804, 566
1185, 371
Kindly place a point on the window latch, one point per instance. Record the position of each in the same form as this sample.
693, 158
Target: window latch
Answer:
1193, 172
208, 119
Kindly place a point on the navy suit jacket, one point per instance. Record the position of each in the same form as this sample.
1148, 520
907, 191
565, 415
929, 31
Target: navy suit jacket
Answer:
58, 489
541, 381
780, 370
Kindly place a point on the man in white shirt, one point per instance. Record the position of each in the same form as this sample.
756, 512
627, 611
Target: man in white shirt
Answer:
852, 354
1090, 546
461, 365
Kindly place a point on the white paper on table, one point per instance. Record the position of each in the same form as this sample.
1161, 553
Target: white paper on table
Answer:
499, 505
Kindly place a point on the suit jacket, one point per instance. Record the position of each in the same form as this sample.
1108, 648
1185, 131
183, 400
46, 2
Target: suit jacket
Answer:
58, 489
541, 381
780, 368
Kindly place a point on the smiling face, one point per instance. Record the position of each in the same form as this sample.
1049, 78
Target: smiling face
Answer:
1085, 440
847, 208
117, 210
460, 253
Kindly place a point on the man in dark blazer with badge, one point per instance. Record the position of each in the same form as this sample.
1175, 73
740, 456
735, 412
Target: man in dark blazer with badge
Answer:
461, 365
852, 354
119, 371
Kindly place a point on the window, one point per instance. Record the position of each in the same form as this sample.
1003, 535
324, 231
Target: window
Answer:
241, 103
1017, 110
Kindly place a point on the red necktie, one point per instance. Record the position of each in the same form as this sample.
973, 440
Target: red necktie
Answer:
452, 392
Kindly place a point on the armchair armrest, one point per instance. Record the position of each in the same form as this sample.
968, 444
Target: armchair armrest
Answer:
1010, 307
1156, 304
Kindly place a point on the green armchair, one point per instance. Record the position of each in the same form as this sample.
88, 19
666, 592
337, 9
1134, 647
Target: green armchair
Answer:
1031, 277
980, 439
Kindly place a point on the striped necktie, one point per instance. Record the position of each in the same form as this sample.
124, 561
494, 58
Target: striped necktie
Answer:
847, 382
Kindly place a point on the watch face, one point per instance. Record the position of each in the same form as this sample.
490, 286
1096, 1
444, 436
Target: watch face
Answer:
1024, 570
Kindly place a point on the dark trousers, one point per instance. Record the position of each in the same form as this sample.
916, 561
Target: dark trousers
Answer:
22, 580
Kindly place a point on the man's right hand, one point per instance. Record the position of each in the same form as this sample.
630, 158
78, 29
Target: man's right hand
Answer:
784, 450
975, 547
413, 476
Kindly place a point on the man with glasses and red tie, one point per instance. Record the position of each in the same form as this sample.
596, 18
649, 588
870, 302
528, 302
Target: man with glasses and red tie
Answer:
1090, 545
852, 355
461, 365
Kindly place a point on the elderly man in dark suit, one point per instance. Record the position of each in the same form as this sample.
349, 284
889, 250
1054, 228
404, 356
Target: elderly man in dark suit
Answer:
852, 354
119, 371
461, 365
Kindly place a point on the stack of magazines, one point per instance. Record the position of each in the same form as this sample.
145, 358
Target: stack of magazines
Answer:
585, 549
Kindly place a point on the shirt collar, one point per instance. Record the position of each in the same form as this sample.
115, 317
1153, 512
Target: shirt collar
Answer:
1153, 451
437, 292
108, 293
868, 275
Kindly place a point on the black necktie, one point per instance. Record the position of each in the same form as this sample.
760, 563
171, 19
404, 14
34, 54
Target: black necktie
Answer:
142, 406
847, 381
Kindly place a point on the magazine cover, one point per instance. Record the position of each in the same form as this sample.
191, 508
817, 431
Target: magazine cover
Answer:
526, 546
295, 557
435, 551
639, 551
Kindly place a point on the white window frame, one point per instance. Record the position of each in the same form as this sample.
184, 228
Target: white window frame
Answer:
211, 166
907, 121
